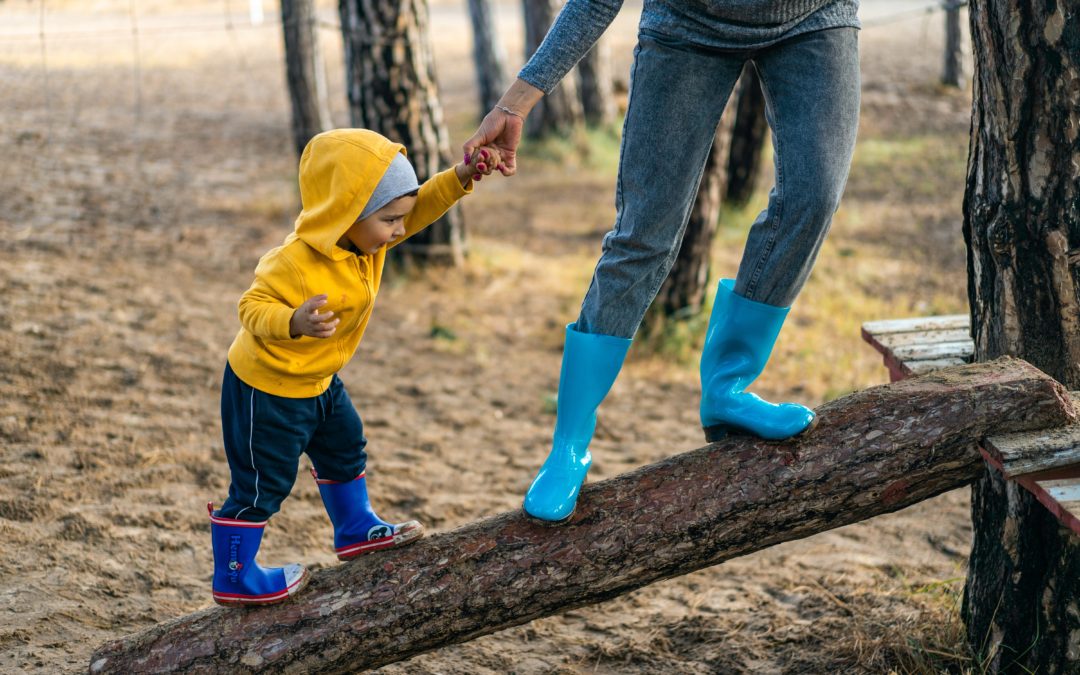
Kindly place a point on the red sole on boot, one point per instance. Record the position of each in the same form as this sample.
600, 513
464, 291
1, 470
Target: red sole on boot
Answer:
235, 600
404, 537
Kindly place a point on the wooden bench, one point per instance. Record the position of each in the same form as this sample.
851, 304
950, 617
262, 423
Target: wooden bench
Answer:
1046, 463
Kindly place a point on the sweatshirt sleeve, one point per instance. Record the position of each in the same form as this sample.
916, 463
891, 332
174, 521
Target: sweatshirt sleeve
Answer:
577, 28
435, 198
264, 308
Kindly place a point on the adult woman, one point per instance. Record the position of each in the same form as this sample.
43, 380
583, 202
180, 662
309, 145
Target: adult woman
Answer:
689, 55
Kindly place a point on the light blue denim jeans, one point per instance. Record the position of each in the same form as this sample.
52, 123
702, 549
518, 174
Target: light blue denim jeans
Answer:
678, 91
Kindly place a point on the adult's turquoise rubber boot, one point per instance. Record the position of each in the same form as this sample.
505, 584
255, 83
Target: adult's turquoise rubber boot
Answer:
589, 367
738, 344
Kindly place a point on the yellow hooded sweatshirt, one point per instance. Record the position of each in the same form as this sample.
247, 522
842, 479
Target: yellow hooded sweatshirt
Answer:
338, 173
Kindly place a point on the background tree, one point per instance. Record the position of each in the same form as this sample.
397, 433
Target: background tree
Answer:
952, 73
487, 54
560, 111
747, 138
596, 86
304, 71
1022, 228
392, 89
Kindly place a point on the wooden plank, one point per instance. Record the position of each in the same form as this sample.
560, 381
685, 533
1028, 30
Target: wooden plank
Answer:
917, 324
912, 368
894, 340
1065, 500
1039, 454
942, 350
1044, 491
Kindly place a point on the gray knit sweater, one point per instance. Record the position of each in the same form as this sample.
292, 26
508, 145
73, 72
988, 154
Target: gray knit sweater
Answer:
717, 24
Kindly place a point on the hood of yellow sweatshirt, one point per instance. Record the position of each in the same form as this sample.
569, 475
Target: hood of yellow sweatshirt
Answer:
339, 171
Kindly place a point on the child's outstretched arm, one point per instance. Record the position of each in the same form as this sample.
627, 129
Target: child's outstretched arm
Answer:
445, 188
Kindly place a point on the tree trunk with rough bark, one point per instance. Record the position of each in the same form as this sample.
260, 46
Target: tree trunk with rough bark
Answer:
559, 112
1022, 228
304, 72
488, 55
392, 90
747, 138
873, 452
596, 86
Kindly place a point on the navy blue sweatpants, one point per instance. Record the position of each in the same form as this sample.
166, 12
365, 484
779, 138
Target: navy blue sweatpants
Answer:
266, 434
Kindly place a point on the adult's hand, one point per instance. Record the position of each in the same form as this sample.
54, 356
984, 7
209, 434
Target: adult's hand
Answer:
502, 129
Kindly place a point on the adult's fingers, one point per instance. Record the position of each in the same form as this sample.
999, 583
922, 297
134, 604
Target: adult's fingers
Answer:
489, 130
509, 163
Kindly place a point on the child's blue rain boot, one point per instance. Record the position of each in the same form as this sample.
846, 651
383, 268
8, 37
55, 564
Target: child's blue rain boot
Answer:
738, 344
238, 579
357, 530
589, 367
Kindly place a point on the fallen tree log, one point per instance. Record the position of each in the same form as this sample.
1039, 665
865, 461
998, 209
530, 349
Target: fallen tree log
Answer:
873, 452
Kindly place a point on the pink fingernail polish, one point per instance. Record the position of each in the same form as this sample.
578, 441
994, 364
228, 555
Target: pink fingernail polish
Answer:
477, 176
468, 159
481, 166
484, 154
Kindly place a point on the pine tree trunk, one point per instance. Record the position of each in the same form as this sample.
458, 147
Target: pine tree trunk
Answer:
873, 452
952, 75
560, 111
1022, 228
487, 54
392, 89
596, 86
747, 138
304, 72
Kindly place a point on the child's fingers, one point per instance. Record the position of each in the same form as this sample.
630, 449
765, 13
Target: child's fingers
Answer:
315, 301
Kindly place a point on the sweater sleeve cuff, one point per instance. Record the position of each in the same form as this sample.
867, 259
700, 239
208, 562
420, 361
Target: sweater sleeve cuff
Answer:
279, 324
449, 187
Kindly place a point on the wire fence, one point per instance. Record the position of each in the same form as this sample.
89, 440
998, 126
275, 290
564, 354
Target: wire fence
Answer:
126, 117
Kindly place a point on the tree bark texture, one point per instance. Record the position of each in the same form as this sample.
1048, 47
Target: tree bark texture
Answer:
304, 72
392, 89
747, 138
596, 86
1022, 228
873, 452
683, 292
559, 112
488, 55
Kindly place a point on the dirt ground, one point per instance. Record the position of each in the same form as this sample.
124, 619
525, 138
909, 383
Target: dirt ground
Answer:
147, 165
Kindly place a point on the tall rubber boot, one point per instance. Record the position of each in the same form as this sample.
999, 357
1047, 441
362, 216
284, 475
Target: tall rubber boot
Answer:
238, 579
738, 344
589, 367
357, 530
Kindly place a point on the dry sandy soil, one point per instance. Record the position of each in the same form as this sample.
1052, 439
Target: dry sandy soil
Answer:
144, 171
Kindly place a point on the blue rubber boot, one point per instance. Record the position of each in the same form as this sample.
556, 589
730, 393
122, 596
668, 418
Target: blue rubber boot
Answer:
357, 530
737, 346
589, 367
238, 579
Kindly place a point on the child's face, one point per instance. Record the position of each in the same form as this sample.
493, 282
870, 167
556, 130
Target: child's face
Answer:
382, 227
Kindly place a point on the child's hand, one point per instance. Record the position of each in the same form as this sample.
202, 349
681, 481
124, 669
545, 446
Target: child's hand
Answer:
483, 162
307, 320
